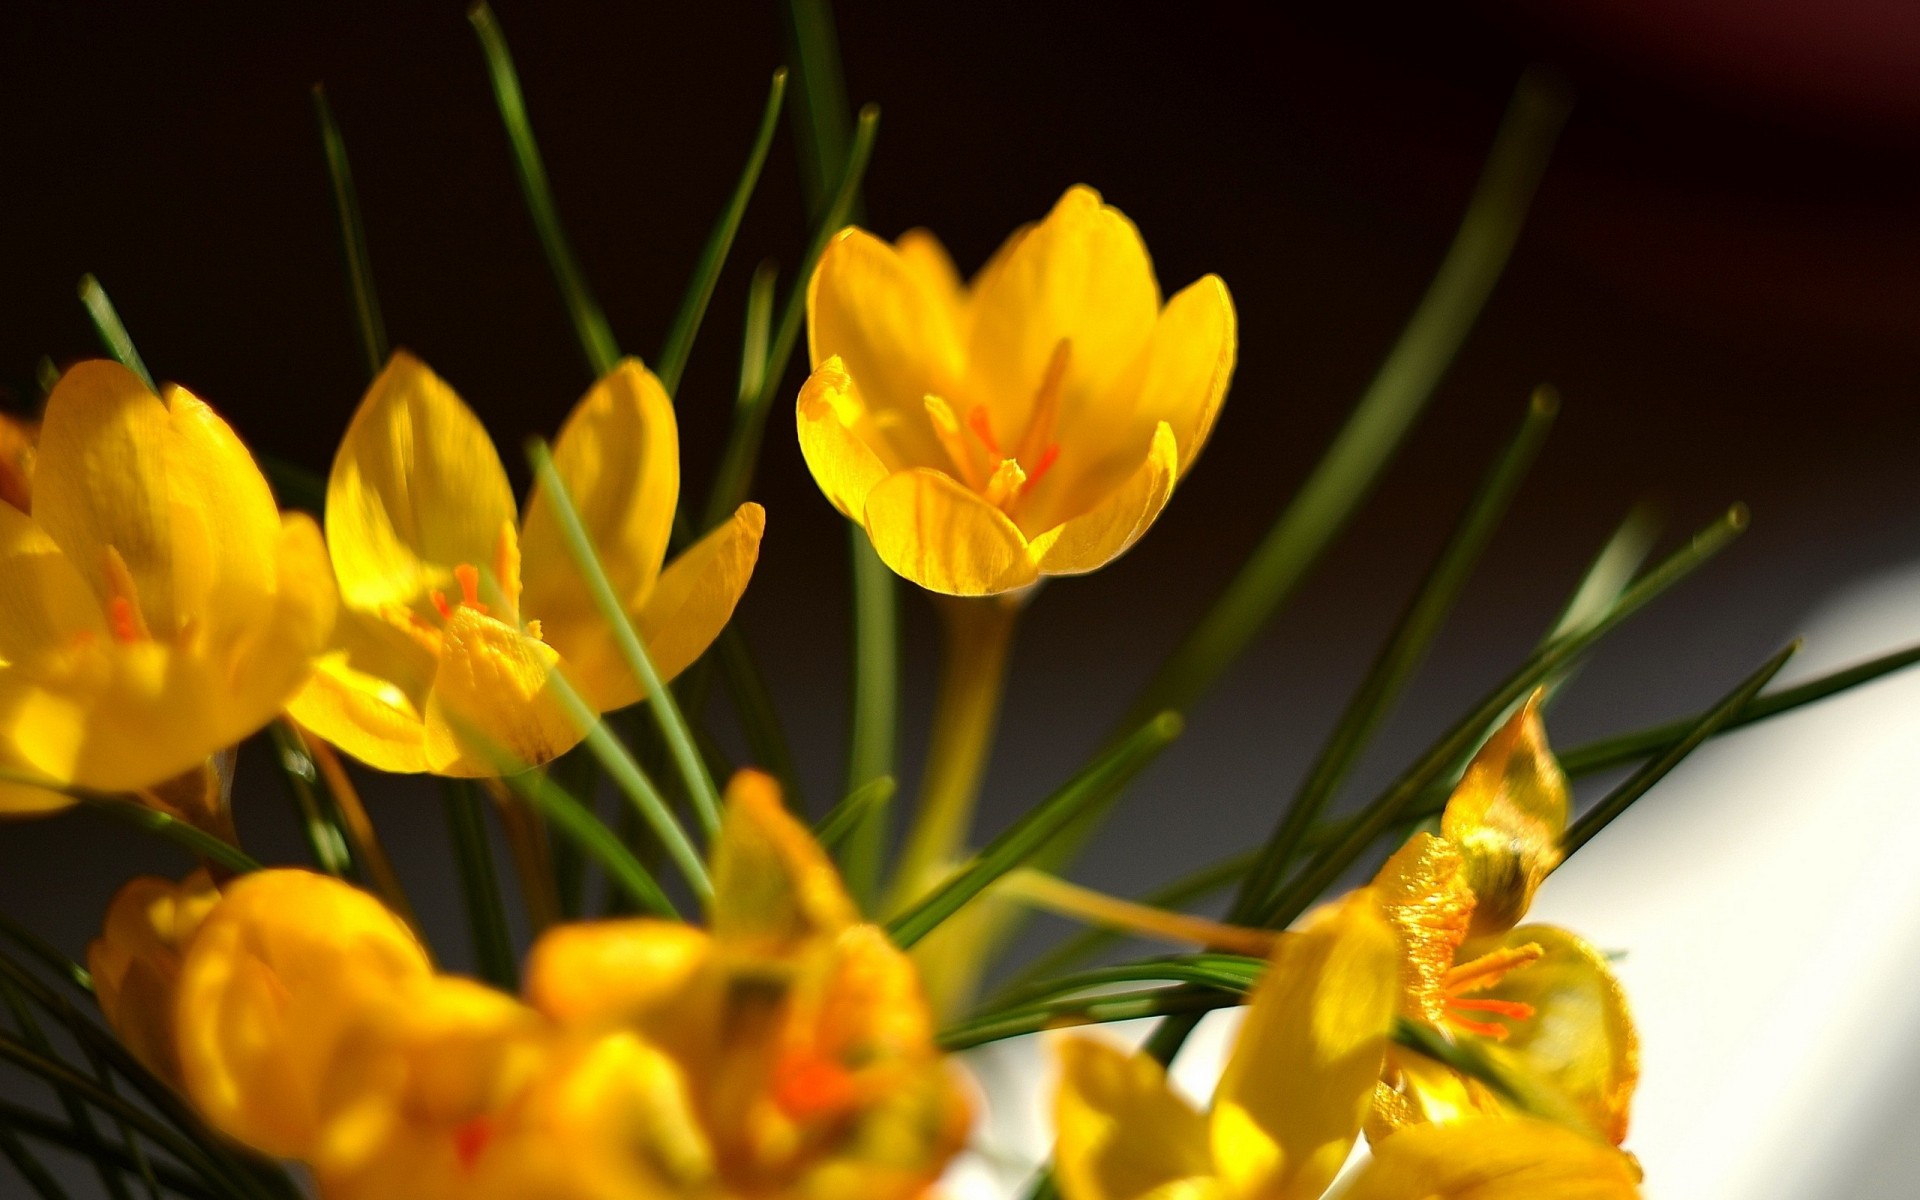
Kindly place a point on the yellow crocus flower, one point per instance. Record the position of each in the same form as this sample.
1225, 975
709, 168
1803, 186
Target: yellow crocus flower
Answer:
155, 607
135, 962
17, 445
457, 614
1032, 422
1537, 998
799, 1035
1292, 1099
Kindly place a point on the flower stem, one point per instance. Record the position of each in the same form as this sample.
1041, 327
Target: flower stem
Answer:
977, 635
532, 856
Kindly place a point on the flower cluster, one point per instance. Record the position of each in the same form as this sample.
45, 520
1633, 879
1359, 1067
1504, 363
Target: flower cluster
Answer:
784, 1050
156, 608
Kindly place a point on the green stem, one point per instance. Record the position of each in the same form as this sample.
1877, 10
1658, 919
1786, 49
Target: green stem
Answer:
876, 708
353, 237
977, 637
589, 323
479, 884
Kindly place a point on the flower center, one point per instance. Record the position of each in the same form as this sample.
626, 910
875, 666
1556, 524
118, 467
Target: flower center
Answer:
983, 461
124, 618
469, 579
1462, 1007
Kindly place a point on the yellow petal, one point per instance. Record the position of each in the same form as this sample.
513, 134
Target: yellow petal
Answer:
280, 969
1580, 1041
368, 692
1506, 818
893, 330
26, 800
45, 604
1122, 1133
494, 708
1426, 898
1097, 537
1081, 276
928, 261
831, 415
101, 481
600, 975
944, 537
773, 886
447, 1055
1188, 363
697, 594
18, 445
416, 490
1494, 1159
226, 529
135, 962
689, 605
619, 458
1301, 1079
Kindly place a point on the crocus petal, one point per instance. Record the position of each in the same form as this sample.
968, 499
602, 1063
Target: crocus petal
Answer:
927, 260
135, 962
1506, 818
45, 604
893, 330
600, 975
1097, 537
1081, 276
944, 537
101, 483
368, 691
831, 414
276, 974
1580, 1041
1494, 1159
1301, 1079
226, 529
1122, 1132
494, 708
690, 605
416, 490
26, 800
773, 886
1425, 896
619, 458
1188, 363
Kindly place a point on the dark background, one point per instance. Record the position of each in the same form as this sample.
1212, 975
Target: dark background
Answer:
1722, 276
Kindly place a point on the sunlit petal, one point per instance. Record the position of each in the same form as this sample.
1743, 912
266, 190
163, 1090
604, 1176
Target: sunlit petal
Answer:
1122, 1133
1506, 818
946, 538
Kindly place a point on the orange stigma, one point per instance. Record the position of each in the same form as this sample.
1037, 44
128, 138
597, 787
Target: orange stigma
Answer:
981, 423
810, 1086
469, 580
124, 619
471, 1140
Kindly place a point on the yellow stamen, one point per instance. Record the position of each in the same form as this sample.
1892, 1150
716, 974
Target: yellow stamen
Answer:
1046, 406
1006, 483
1489, 969
953, 440
1056, 895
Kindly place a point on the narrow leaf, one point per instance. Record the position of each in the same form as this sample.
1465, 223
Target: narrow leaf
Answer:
113, 334
847, 815
576, 822
353, 237
479, 884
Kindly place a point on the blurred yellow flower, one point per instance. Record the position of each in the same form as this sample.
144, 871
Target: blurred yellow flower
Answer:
1542, 1000
155, 607
1032, 422
444, 659
785, 1051
799, 1036
135, 962
17, 445
1292, 1099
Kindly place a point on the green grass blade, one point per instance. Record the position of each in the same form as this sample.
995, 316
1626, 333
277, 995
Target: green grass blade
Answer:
130, 1148
1095, 1010
1328, 864
820, 114
589, 323
1405, 649
113, 333
46, 954
197, 842
232, 1177
30, 1168
876, 706
577, 772
1174, 897
1611, 572
1618, 751
1385, 412
1227, 972
323, 837
76, 1108
706, 273
742, 452
1026, 836
1652, 772
647, 802
759, 718
42, 1128
847, 815
576, 822
480, 884
368, 323
666, 713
